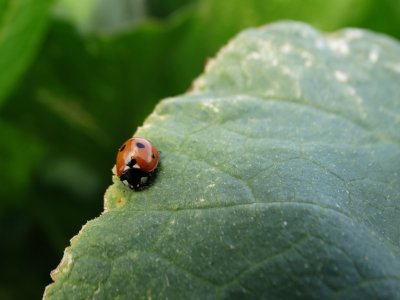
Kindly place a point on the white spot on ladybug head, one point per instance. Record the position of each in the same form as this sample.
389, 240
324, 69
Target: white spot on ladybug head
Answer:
143, 180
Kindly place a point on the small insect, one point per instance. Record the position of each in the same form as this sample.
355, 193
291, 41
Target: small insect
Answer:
137, 162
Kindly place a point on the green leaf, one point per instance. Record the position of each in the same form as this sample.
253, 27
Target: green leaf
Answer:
278, 178
22, 23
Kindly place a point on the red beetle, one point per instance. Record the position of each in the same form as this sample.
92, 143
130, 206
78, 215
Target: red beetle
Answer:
137, 161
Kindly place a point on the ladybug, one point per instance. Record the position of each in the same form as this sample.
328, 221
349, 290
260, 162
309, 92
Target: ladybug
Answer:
137, 162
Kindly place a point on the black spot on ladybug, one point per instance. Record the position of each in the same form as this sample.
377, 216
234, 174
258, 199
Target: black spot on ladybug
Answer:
122, 148
140, 145
152, 156
132, 163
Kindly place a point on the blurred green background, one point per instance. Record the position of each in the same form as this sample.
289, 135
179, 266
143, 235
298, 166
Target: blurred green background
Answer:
78, 77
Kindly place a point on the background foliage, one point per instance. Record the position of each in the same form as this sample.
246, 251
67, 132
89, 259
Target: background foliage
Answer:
70, 72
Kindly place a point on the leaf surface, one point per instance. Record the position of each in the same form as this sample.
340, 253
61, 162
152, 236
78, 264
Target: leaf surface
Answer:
278, 179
